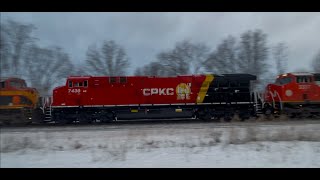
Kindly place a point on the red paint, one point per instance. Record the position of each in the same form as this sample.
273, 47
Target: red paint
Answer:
294, 91
135, 90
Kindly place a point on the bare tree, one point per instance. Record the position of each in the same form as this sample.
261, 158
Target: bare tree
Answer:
198, 56
80, 69
138, 72
153, 69
301, 69
47, 67
253, 52
110, 60
224, 58
156, 69
316, 62
174, 60
253, 55
186, 57
16, 39
280, 56
4, 53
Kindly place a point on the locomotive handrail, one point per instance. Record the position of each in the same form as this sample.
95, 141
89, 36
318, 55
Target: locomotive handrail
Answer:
272, 99
279, 100
46, 102
259, 96
257, 100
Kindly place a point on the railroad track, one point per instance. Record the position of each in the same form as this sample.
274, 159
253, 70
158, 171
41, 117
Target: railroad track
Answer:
153, 124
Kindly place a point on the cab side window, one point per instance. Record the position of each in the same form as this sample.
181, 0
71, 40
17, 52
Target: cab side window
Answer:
85, 83
2, 84
303, 79
112, 80
14, 84
123, 79
70, 84
317, 80
299, 79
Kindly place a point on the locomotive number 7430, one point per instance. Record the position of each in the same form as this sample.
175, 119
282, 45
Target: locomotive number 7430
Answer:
74, 90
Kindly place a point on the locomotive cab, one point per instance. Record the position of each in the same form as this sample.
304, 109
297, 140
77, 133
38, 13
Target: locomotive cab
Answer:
73, 89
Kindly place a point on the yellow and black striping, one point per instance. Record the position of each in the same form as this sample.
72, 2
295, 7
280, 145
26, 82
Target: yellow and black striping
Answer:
204, 88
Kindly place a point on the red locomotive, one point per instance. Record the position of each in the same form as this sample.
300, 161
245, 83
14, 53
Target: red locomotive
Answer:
104, 98
295, 94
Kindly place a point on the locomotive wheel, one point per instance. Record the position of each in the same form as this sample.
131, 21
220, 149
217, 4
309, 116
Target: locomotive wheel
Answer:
83, 118
227, 119
268, 111
38, 116
239, 117
5, 123
236, 118
206, 117
107, 117
60, 120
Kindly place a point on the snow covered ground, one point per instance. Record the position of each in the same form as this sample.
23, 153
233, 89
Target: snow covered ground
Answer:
184, 145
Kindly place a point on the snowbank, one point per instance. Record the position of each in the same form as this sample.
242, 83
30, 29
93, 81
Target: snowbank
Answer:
165, 146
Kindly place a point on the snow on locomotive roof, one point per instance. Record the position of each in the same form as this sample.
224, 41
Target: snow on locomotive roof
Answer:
6, 78
301, 74
71, 77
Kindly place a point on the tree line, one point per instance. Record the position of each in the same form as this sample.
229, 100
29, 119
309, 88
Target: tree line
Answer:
45, 67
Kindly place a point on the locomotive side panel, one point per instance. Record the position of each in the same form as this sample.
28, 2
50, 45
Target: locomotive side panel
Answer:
133, 90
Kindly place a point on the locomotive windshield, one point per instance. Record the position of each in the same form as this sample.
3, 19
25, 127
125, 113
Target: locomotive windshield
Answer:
284, 81
2, 84
17, 84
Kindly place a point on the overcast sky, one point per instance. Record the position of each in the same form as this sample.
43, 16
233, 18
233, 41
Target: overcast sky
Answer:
143, 35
